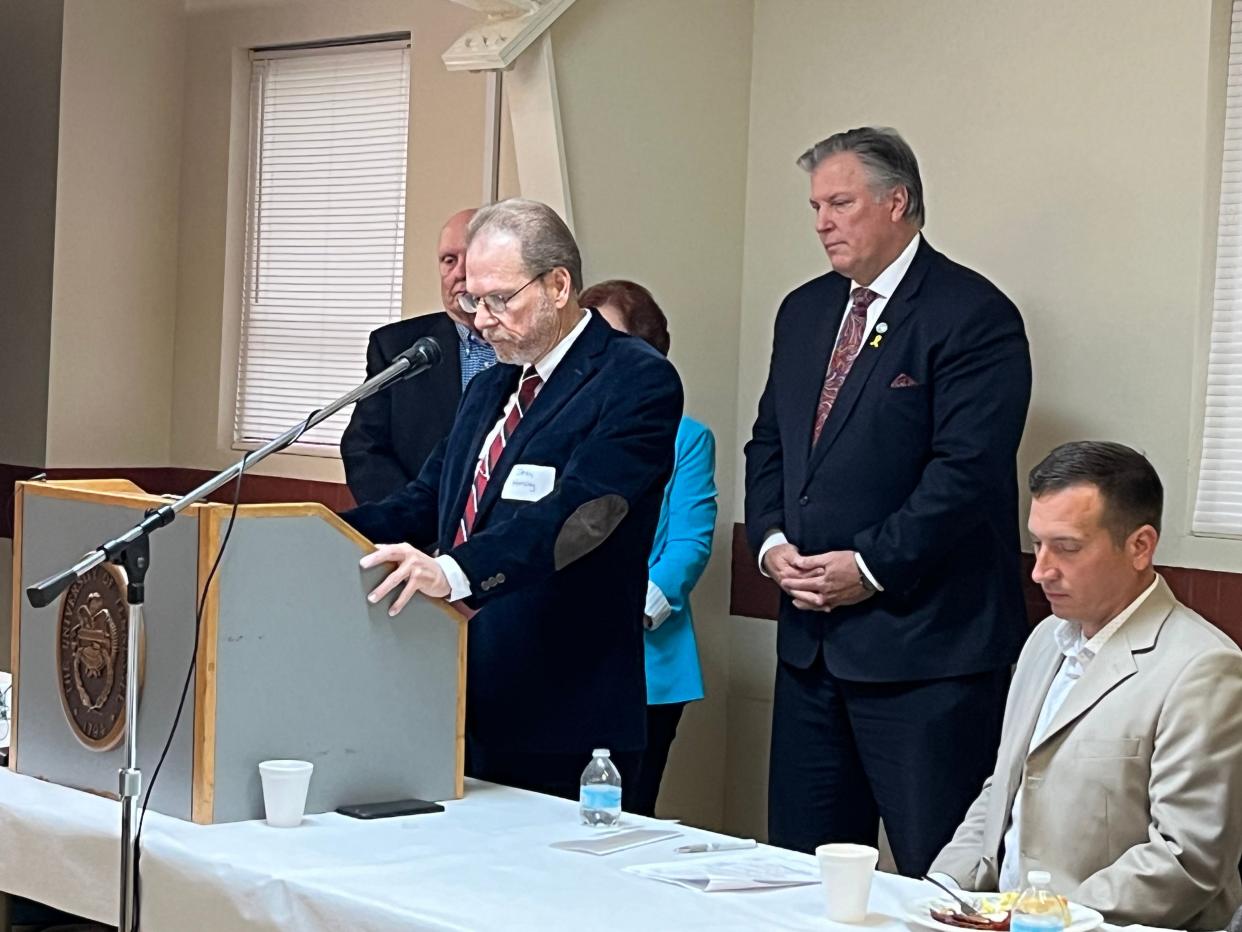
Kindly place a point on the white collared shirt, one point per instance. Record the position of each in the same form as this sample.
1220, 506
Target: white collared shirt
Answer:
459, 585
1077, 653
885, 285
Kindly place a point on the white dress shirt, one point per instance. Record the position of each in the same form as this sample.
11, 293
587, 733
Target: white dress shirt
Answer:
1078, 653
884, 285
459, 585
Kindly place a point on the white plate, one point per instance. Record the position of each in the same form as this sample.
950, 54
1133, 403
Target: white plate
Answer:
1082, 918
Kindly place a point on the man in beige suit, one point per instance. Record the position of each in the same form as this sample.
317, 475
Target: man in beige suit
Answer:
1120, 765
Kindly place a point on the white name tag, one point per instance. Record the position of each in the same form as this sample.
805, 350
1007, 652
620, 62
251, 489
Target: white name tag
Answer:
528, 483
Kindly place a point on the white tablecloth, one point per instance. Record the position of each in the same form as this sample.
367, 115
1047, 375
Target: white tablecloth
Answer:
485, 863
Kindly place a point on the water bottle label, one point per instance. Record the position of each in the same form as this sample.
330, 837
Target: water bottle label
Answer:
600, 796
1049, 922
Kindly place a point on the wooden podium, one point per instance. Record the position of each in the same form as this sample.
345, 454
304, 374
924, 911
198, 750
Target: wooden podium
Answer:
291, 662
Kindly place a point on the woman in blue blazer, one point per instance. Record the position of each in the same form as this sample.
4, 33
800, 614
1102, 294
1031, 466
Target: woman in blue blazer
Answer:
683, 542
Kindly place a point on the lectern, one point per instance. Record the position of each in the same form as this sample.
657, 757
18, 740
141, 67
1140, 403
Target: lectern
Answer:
291, 662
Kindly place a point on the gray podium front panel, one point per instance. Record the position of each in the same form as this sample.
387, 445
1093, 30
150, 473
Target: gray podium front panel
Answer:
307, 669
55, 533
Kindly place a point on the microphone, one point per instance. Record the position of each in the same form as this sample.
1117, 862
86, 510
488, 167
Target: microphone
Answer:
424, 354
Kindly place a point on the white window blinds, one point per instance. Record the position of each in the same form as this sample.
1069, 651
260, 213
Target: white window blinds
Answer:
325, 230
1218, 507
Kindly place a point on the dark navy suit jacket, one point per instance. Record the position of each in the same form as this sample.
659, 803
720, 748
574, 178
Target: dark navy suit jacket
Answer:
915, 469
555, 658
391, 434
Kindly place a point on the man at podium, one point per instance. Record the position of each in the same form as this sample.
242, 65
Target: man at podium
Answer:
542, 504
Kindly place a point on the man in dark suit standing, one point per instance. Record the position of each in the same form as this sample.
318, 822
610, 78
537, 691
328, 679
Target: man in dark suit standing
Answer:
542, 503
391, 434
881, 494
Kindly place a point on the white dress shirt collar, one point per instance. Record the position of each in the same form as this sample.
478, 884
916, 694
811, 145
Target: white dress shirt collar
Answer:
552, 358
887, 281
1079, 650
884, 286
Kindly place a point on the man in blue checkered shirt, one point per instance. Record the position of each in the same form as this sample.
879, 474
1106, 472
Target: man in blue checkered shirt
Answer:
393, 432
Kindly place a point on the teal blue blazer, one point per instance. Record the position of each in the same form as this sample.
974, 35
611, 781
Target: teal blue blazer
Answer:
683, 542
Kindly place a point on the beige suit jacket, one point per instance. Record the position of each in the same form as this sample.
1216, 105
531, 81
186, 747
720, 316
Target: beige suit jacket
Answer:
1133, 798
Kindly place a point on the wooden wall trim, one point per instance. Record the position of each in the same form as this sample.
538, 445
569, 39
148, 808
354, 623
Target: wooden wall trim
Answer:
751, 594
203, 779
1214, 594
15, 621
174, 480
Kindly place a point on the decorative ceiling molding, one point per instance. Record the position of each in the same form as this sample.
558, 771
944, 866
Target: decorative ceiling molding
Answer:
510, 28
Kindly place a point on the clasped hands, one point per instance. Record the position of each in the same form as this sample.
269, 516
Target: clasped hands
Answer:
419, 573
816, 583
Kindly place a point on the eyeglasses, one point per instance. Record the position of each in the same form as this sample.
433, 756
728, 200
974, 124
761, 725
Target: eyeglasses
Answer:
497, 305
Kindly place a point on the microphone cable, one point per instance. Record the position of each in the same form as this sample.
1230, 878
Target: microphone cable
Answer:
189, 675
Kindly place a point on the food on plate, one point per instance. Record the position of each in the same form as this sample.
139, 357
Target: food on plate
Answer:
987, 922
995, 909
997, 902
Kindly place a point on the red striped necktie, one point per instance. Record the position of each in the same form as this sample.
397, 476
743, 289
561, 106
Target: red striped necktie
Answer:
491, 456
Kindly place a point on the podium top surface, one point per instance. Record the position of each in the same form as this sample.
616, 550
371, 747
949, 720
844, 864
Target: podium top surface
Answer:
125, 493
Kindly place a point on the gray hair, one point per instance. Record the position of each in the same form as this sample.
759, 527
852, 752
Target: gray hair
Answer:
888, 158
543, 238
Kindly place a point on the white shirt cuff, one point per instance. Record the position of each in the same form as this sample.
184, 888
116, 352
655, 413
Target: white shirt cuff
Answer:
862, 565
657, 609
459, 585
775, 539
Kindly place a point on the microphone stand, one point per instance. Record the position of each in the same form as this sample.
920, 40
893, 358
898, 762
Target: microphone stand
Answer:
132, 552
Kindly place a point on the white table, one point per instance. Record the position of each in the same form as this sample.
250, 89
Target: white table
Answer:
483, 864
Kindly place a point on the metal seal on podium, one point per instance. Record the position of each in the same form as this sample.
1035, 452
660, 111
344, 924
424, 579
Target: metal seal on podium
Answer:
91, 642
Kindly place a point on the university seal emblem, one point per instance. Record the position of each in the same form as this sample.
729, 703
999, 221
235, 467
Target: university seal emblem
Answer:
90, 657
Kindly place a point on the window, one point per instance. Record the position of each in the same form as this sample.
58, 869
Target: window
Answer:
1218, 507
325, 230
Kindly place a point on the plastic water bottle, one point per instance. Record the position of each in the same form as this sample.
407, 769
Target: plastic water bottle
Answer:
599, 793
1038, 909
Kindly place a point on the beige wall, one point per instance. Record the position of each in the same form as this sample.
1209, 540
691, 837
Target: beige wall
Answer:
30, 36
114, 282
654, 109
445, 172
1069, 152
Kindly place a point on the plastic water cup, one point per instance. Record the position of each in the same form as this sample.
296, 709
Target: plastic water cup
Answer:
285, 783
846, 871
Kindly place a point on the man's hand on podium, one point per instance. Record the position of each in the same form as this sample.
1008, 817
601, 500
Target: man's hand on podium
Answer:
419, 573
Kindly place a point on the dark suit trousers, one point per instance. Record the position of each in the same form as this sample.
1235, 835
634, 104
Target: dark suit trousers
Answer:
846, 754
552, 774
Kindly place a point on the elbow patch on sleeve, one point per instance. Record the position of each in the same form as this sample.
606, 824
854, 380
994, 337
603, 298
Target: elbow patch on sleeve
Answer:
587, 528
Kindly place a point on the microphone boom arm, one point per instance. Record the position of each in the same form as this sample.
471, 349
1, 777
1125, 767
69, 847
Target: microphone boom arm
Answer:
420, 357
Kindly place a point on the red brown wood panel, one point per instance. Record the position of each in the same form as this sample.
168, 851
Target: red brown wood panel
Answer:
751, 594
160, 480
1214, 594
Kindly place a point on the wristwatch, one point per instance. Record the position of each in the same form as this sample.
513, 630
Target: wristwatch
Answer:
867, 584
